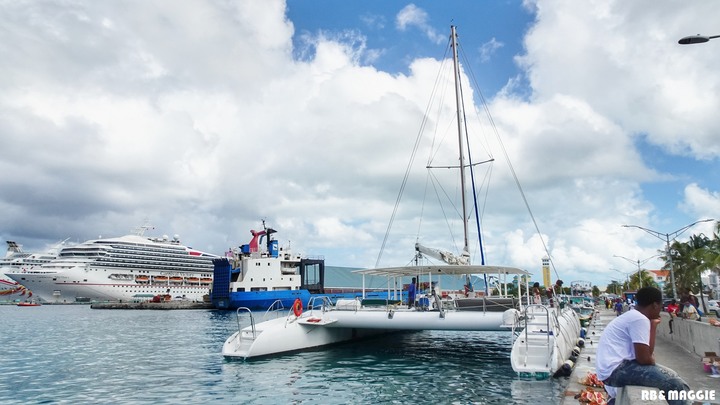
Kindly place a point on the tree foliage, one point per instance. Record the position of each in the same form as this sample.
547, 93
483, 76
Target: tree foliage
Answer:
690, 260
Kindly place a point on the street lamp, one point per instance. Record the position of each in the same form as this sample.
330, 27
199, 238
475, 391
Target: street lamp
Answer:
627, 277
639, 263
675, 234
696, 39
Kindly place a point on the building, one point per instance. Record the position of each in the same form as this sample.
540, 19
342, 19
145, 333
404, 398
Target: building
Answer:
660, 277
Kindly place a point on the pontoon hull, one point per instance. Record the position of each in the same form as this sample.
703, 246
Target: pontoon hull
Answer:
421, 320
549, 336
320, 328
283, 335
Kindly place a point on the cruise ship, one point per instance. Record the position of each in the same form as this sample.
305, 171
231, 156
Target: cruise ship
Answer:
9, 288
127, 268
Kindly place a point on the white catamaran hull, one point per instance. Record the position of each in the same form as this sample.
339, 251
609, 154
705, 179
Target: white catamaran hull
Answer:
547, 341
283, 335
422, 320
320, 328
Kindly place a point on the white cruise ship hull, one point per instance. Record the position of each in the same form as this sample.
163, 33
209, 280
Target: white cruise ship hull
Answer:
127, 268
77, 285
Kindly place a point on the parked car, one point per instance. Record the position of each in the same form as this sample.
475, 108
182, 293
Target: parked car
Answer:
712, 307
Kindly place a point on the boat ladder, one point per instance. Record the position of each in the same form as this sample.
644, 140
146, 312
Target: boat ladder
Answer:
536, 342
252, 321
275, 308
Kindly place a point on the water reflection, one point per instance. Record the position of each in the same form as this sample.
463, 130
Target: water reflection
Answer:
79, 355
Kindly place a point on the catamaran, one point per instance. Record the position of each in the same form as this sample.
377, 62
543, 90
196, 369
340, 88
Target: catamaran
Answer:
545, 335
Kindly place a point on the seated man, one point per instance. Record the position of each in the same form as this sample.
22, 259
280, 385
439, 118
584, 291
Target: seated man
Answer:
690, 312
625, 352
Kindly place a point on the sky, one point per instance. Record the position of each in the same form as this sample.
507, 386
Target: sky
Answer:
202, 118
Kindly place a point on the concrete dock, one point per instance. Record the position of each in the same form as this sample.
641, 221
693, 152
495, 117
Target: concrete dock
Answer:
676, 351
166, 305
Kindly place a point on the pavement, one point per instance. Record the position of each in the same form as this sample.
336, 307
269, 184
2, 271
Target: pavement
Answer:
687, 364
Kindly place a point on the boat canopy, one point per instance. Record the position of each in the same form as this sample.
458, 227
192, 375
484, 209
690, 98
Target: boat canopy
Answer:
440, 270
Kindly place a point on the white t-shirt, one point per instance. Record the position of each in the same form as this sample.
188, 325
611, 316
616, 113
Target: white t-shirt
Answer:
616, 341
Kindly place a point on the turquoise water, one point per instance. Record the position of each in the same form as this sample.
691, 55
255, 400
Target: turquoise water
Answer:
73, 354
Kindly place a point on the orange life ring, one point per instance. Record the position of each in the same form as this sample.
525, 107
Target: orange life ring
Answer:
297, 307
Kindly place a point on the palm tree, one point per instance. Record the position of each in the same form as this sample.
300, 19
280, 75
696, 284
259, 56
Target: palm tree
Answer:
689, 261
711, 254
644, 279
614, 288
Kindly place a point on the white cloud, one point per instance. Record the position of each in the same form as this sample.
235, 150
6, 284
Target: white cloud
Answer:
198, 117
701, 202
413, 16
488, 49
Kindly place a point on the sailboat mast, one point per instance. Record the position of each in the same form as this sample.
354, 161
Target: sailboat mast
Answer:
458, 102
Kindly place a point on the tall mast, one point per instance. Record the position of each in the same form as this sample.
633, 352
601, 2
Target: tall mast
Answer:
458, 102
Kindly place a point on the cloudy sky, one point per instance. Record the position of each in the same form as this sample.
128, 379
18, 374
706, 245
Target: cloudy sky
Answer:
204, 117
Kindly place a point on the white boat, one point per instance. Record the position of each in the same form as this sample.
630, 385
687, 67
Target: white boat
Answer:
127, 268
545, 336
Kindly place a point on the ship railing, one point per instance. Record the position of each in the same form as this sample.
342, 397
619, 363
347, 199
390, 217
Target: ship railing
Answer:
252, 321
276, 307
323, 305
438, 303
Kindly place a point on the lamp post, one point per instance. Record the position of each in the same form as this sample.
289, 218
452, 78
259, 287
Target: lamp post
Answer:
627, 277
666, 238
638, 263
696, 39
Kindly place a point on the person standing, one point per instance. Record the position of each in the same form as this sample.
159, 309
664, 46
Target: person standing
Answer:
619, 307
672, 309
553, 291
536, 293
625, 354
411, 293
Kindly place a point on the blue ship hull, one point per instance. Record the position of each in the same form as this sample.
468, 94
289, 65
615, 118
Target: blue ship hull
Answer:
222, 297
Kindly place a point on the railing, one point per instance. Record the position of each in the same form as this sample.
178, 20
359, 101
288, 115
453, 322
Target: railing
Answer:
276, 306
439, 304
323, 306
252, 322
547, 328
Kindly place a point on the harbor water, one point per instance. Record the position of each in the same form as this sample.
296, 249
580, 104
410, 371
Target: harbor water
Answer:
74, 354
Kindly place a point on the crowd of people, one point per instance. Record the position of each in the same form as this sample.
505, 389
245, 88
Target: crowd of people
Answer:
689, 307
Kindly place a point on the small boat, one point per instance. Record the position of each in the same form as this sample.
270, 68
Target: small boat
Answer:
206, 281
142, 279
176, 280
193, 280
160, 279
29, 304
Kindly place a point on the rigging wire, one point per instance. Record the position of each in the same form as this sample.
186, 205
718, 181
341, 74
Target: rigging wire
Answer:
423, 124
510, 165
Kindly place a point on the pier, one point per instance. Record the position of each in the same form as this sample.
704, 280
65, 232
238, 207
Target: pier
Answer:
165, 305
681, 351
